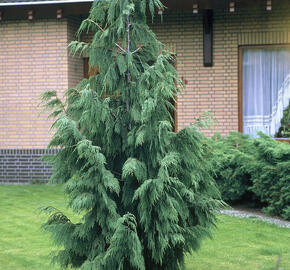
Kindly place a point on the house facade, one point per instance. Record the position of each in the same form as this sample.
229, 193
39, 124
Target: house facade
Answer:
222, 50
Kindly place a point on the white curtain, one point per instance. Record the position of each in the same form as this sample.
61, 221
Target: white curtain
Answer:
266, 89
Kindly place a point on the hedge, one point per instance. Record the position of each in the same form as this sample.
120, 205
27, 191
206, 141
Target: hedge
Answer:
255, 171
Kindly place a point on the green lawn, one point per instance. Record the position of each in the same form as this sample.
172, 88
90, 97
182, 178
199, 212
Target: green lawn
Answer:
237, 243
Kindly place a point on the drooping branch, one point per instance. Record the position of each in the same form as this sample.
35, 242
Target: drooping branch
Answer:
102, 30
128, 51
138, 49
128, 33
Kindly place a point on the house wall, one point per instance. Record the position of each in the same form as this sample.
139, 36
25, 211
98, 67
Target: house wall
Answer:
75, 63
22, 166
215, 88
33, 59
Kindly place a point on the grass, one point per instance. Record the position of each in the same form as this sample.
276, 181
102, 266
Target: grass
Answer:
242, 244
237, 243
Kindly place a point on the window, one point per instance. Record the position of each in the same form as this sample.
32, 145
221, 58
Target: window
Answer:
264, 89
88, 72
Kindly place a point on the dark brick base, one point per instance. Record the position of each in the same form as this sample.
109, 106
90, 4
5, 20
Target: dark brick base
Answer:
23, 166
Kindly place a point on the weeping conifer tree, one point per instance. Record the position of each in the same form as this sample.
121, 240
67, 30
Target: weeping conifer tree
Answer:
143, 191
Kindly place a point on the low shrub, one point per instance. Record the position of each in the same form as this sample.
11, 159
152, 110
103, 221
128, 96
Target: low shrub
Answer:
230, 161
270, 175
253, 171
284, 130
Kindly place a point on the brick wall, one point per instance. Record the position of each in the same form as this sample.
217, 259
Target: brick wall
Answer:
33, 58
216, 88
19, 166
75, 63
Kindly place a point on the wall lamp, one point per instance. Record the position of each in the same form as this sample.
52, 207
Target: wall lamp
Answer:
268, 5
195, 9
59, 13
30, 15
232, 6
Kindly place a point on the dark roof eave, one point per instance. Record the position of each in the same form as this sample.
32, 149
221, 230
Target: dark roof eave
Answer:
48, 2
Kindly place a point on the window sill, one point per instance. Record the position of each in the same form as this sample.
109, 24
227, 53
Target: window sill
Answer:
287, 140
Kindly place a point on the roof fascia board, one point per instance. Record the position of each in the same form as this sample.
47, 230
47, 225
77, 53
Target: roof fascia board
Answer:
44, 3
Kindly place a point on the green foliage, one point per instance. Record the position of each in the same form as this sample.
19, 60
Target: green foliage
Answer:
253, 171
230, 161
125, 241
144, 192
271, 175
284, 130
